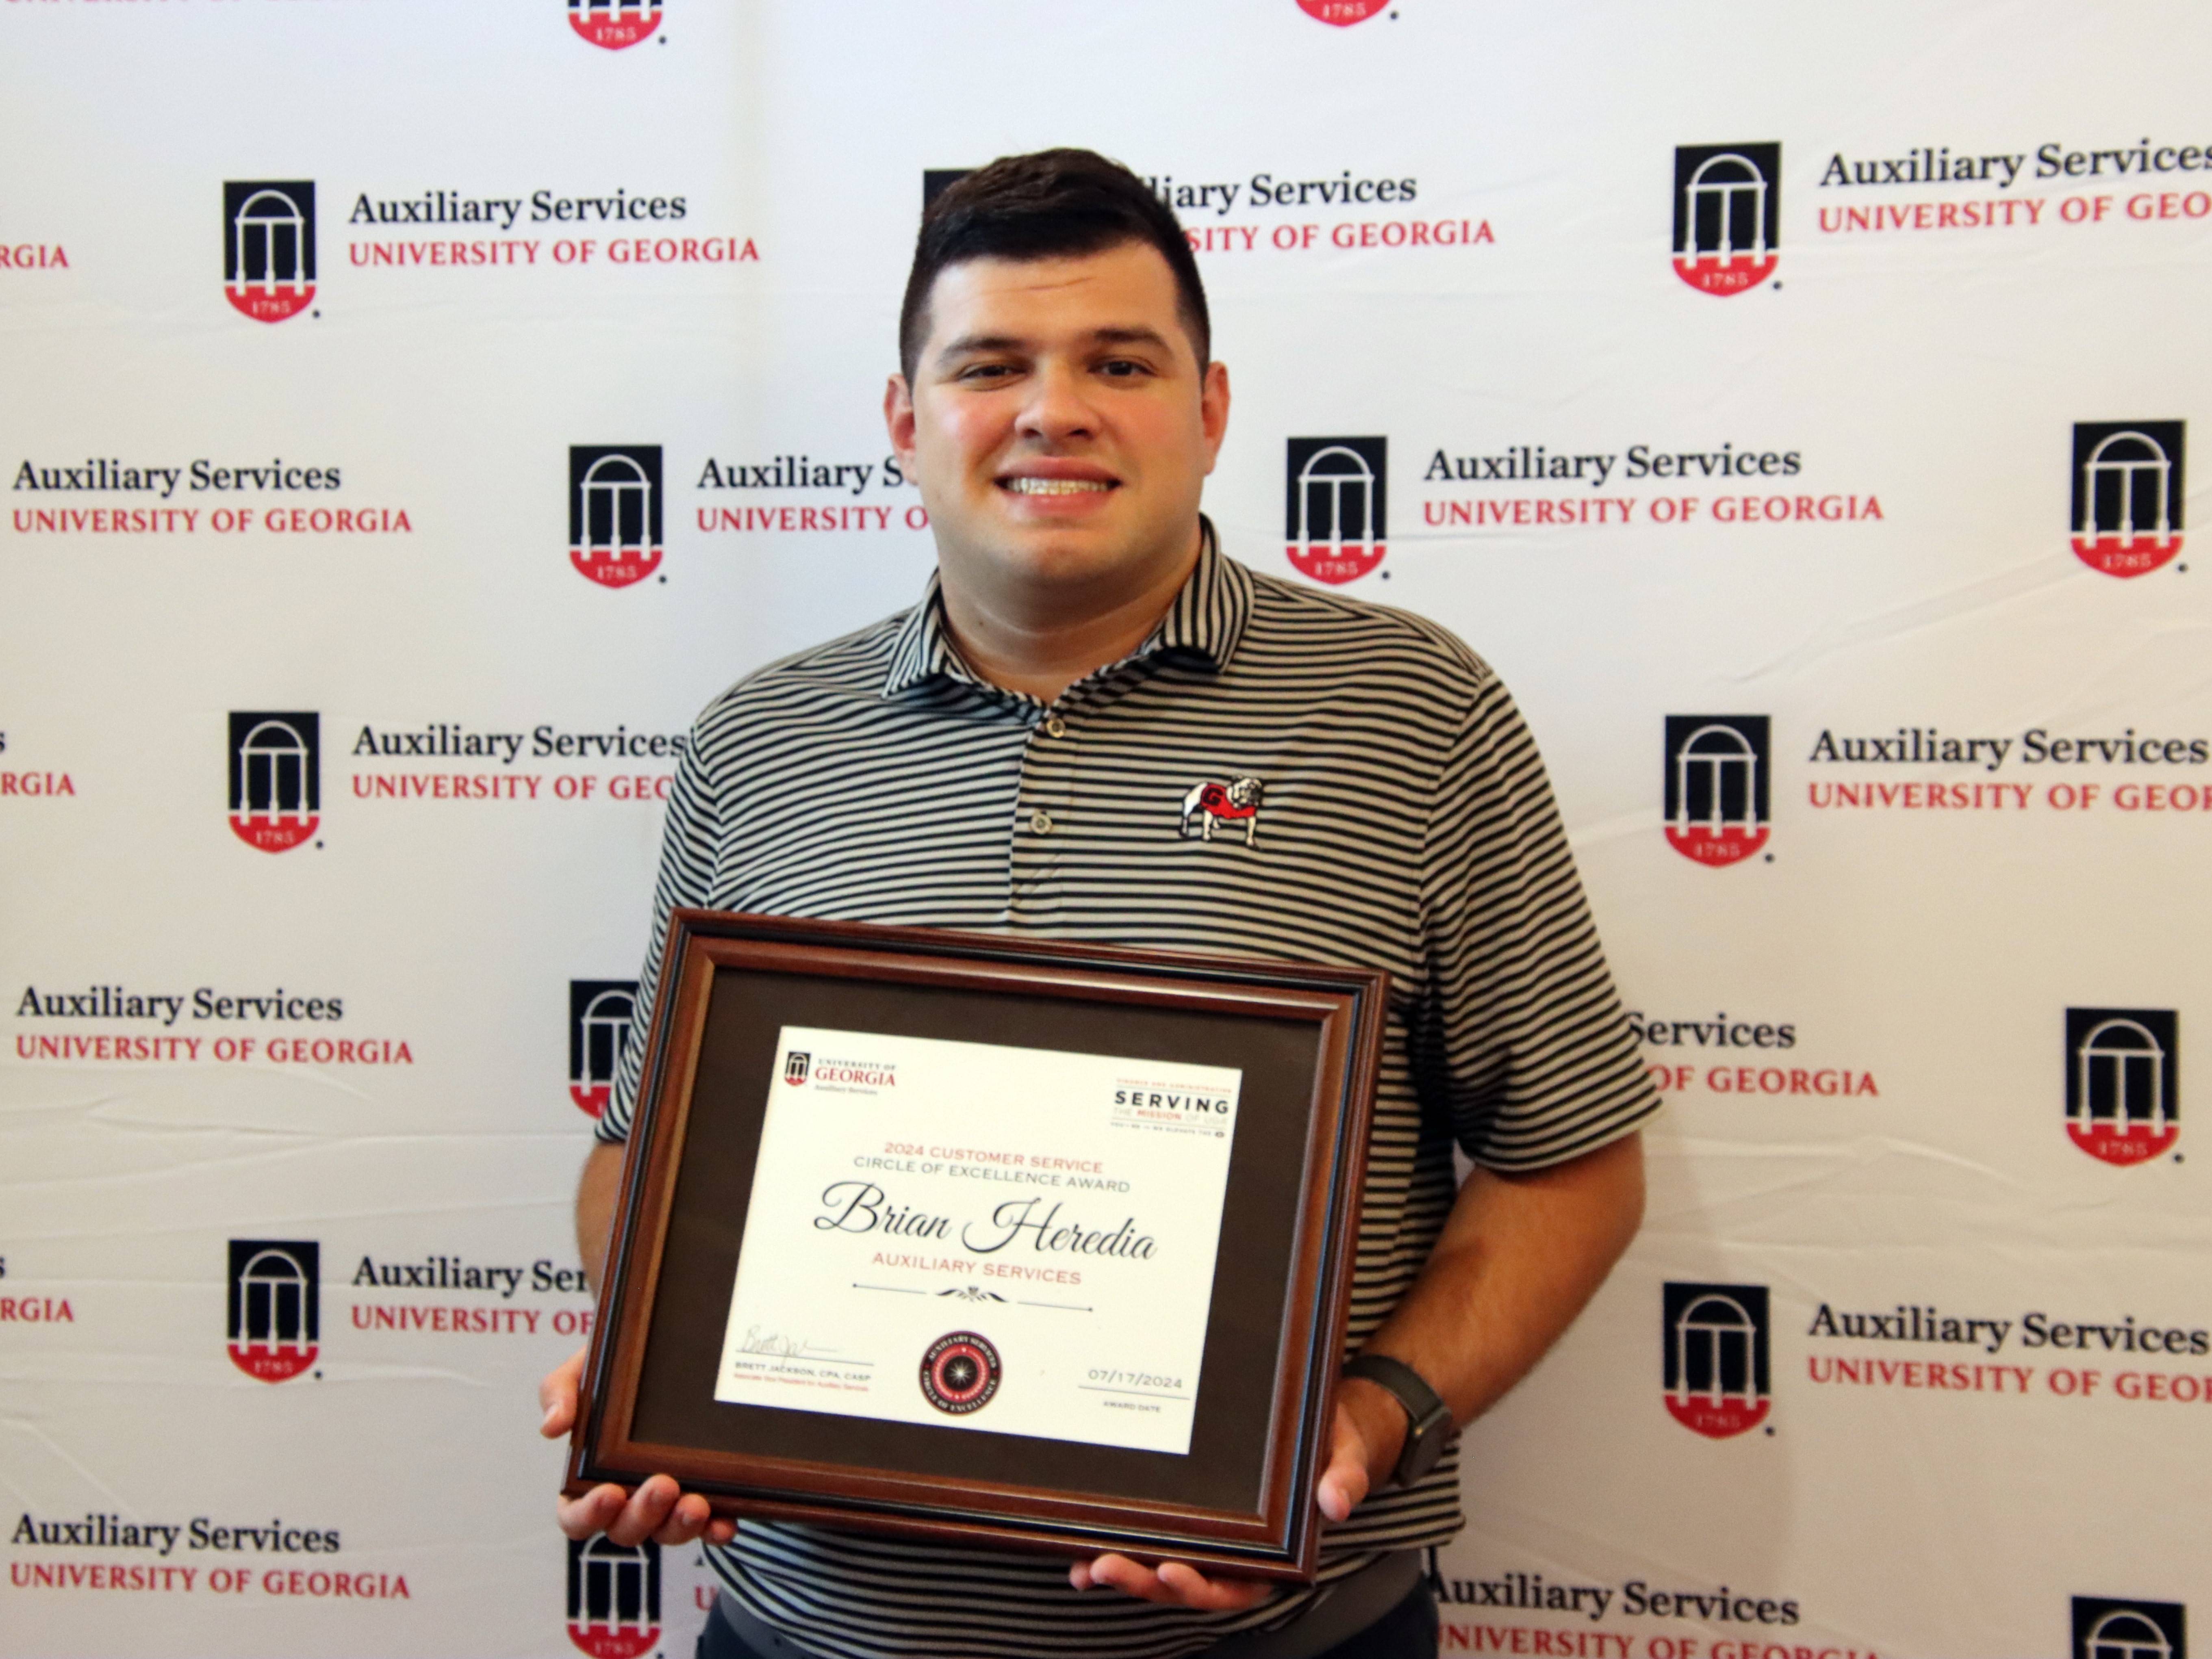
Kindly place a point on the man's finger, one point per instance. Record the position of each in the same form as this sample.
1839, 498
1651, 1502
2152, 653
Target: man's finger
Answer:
1176, 1585
685, 1521
557, 1421
580, 1517
557, 1396
1344, 1483
646, 1512
1119, 1572
1196, 1589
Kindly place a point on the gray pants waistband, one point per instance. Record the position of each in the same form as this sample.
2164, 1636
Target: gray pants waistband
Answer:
1352, 1605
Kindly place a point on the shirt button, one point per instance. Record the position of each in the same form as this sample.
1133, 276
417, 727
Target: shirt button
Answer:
1055, 727
1040, 824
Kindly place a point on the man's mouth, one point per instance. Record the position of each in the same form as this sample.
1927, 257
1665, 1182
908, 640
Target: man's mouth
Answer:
1056, 486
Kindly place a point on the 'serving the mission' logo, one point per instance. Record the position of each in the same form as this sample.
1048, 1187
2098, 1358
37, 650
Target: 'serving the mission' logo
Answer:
2127, 493
599, 1015
614, 1596
276, 778
614, 512
2105, 1629
269, 246
1336, 491
614, 24
1728, 214
1716, 1364
2123, 1082
1716, 786
275, 1307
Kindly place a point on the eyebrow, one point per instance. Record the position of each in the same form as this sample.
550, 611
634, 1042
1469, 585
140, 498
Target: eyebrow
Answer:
1129, 337
969, 344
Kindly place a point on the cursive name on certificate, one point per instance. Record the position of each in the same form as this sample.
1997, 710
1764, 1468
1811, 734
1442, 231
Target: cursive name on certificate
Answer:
862, 1207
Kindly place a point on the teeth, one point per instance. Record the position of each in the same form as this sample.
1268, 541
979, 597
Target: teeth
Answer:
1057, 486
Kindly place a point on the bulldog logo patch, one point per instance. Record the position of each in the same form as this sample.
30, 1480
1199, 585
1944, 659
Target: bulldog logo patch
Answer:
1233, 803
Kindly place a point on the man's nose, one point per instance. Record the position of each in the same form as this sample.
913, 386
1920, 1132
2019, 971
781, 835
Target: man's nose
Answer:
1058, 408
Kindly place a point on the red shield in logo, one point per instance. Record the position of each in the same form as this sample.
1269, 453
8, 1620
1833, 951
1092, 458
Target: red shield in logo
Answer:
271, 304
1342, 13
1716, 786
269, 246
2123, 1082
1335, 521
1336, 562
1715, 1367
615, 569
273, 834
1728, 215
614, 1597
613, 1641
1717, 1420
2115, 1144
276, 778
1731, 274
614, 512
272, 1364
1707, 844
614, 24
275, 1306
2127, 493
599, 1015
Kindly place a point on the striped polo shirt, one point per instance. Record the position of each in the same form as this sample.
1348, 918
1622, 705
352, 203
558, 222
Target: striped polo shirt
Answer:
1275, 772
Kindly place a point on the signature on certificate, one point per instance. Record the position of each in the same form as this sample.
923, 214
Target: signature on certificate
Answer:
758, 1341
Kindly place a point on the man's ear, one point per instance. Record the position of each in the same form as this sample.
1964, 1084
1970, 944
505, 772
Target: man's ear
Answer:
898, 420
1213, 410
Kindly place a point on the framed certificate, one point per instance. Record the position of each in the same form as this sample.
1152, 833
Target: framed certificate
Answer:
978, 1238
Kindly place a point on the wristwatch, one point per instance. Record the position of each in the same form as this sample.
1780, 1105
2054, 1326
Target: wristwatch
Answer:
1428, 1420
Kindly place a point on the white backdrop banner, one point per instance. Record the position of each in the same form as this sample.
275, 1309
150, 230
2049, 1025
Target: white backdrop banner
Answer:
414, 413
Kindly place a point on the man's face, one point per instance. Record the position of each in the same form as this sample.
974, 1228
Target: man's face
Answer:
1058, 426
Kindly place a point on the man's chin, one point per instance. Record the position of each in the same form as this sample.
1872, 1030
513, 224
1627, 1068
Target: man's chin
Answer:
1071, 549
1110, 551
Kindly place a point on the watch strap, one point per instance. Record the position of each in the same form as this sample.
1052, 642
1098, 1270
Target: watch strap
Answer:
1428, 1420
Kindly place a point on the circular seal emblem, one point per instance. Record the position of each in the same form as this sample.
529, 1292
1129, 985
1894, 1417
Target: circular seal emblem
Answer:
960, 1373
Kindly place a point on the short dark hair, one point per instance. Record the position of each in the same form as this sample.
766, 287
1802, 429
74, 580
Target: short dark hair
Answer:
1051, 204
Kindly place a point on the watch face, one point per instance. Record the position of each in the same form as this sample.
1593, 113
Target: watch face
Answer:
1428, 1420
1422, 1452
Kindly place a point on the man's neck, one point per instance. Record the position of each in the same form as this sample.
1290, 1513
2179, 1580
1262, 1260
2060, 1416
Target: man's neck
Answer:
1041, 649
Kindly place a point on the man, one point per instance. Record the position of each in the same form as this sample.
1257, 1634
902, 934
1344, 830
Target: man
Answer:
1040, 746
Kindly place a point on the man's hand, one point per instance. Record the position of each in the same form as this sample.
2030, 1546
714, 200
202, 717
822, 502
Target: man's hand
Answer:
1365, 1434
1519, 1257
657, 1510
1368, 1434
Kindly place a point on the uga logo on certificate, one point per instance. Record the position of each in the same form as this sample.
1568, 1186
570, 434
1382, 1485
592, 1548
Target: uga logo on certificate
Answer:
982, 1237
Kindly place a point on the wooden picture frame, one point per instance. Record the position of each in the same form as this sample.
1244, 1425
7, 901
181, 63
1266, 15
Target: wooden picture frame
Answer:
1307, 1039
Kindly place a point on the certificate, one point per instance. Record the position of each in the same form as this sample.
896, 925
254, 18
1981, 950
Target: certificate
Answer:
976, 1236
991, 1240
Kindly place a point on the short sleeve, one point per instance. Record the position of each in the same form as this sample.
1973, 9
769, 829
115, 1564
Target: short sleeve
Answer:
1521, 1033
686, 878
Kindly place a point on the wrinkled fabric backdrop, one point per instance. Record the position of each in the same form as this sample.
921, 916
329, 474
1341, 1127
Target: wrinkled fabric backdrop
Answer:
414, 413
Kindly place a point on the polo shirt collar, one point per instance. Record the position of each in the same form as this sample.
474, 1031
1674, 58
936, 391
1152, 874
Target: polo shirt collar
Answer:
1205, 621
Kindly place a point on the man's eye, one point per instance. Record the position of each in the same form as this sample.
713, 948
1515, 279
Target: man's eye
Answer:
985, 372
1120, 368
